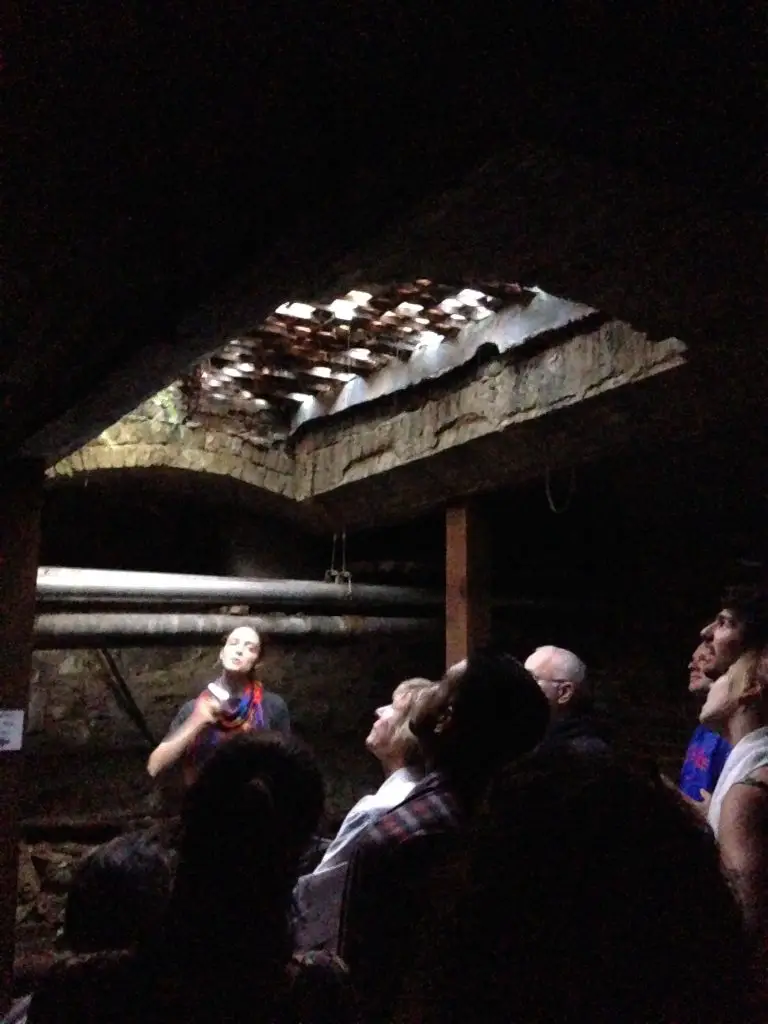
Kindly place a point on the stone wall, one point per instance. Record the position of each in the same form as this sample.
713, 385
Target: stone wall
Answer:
85, 762
87, 758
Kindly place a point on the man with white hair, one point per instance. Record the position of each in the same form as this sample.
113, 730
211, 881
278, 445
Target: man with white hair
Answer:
562, 677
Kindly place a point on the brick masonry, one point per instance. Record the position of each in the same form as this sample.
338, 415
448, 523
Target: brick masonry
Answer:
339, 465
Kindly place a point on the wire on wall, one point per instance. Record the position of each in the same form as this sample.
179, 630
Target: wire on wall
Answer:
568, 497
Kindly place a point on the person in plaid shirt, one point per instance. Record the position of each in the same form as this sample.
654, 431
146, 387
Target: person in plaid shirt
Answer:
486, 711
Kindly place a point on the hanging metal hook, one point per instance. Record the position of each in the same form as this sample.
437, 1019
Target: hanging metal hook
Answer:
344, 576
331, 573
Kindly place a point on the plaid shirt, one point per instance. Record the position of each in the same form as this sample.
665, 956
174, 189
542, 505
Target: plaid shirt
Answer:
387, 891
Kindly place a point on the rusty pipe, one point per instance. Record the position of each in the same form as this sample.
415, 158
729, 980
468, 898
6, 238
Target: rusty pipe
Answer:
61, 630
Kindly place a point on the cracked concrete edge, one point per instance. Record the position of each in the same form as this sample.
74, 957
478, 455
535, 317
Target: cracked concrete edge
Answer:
507, 394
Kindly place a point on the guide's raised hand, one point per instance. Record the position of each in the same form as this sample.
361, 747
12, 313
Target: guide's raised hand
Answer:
207, 710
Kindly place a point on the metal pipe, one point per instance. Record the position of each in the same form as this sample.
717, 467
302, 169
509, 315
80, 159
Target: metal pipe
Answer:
61, 630
104, 586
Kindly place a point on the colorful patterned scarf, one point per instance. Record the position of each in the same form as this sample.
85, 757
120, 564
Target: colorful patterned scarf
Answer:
239, 714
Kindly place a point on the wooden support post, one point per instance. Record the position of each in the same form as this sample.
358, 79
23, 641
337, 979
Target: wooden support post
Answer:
467, 597
21, 487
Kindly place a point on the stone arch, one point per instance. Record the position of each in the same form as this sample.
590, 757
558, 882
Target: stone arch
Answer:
145, 444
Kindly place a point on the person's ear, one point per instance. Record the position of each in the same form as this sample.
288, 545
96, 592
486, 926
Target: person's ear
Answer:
750, 698
565, 693
444, 721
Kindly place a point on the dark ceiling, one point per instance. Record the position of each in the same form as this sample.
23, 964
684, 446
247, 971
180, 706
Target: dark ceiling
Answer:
156, 154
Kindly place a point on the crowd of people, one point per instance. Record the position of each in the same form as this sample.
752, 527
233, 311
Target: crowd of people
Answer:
511, 867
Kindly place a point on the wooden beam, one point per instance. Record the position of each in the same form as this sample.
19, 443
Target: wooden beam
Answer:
21, 484
467, 593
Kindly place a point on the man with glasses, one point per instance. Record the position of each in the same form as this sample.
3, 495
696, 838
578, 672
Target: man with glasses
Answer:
562, 678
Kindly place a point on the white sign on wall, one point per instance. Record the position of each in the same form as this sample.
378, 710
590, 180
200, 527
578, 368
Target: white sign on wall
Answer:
11, 730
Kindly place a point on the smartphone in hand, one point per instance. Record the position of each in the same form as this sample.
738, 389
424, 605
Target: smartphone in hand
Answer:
219, 692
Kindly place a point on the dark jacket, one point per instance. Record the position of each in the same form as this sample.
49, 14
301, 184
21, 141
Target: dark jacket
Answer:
585, 733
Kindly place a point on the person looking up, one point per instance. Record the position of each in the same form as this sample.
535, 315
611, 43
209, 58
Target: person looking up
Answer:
562, 677
707, 750
486, 711
317, 896
737, 708
739, 626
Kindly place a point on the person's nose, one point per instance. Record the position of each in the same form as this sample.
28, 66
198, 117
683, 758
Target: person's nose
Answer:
380, 712
708, 631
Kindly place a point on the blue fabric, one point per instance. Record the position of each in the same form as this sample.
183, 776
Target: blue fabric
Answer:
704, 760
